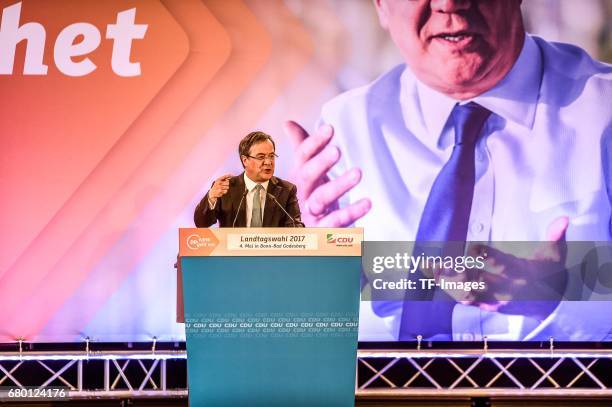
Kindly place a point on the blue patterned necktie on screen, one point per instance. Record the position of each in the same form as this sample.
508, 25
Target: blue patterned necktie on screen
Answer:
256, 218
447, 211
445, 218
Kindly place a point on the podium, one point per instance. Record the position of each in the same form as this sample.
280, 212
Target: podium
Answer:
271, 315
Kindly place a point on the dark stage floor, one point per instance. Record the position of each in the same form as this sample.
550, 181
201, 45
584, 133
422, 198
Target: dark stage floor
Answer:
482, 402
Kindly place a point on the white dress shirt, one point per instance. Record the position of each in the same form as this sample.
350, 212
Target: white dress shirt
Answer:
250, 186
543, 156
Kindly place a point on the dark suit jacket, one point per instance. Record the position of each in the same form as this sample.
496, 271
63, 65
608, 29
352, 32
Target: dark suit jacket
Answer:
227, 206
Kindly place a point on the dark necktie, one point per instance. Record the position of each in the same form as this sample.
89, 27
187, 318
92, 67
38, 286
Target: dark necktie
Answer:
447, 211
445, 219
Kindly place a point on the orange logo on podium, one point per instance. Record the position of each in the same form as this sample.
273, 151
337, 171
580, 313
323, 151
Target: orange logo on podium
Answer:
197, 242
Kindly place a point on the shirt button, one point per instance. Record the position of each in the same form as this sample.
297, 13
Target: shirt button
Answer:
477, 227
467, 336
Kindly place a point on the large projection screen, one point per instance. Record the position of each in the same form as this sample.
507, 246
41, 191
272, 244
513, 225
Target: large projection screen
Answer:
116, 116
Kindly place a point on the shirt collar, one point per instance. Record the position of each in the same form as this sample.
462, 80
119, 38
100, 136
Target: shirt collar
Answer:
436, 108
513, 98
250, 184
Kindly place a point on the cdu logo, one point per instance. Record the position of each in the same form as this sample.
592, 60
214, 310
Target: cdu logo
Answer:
343, 240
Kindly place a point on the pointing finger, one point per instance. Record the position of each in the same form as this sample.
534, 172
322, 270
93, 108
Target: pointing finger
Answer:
224, 177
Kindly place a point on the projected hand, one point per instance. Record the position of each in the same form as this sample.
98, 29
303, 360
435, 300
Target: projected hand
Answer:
531, 285
318, 195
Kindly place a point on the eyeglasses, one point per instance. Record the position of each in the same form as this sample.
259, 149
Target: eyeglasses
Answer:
262, 157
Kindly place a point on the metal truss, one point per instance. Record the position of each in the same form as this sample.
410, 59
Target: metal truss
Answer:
484, 373
380, 373
99, 374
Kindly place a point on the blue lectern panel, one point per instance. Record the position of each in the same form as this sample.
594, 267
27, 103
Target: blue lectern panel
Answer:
271, 331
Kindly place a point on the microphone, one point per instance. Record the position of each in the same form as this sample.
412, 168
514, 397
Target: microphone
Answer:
246, 191
273, 198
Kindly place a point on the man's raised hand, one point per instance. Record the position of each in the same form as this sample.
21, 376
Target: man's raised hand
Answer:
219, 188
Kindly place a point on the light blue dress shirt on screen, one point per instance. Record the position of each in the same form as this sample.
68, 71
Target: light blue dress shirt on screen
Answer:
546, 153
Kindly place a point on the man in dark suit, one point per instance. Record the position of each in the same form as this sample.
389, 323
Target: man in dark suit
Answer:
255, 198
